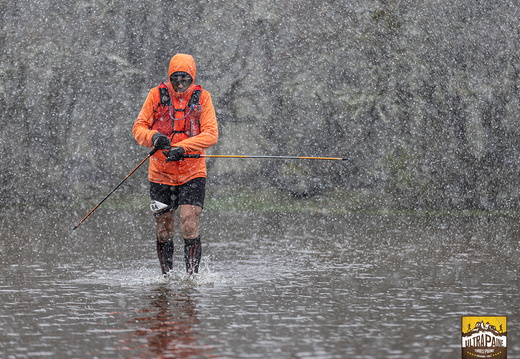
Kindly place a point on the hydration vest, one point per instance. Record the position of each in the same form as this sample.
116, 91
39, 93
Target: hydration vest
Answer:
184, 127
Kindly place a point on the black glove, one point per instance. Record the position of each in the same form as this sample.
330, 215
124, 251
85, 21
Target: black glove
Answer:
175, 154
160, 141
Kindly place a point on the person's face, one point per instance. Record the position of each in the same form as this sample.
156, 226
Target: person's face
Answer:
180, 81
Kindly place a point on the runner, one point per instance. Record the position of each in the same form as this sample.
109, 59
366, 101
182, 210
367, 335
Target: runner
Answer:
177, 118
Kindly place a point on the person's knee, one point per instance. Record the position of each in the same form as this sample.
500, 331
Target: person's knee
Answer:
189, 227
165, 227
163, 235
189, 219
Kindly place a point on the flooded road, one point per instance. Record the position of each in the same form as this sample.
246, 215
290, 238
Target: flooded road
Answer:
271, 286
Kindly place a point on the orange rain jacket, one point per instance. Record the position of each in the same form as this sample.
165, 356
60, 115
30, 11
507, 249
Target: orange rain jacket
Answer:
177, 172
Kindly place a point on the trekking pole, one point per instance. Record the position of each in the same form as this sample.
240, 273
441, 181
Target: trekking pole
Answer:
116, 187
263, 156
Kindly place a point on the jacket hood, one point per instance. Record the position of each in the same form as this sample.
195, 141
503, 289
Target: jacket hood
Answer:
184, 63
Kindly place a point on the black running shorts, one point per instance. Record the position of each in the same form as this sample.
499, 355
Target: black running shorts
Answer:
165, 197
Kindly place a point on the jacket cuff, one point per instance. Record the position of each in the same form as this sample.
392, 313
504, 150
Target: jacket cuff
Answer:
150, 136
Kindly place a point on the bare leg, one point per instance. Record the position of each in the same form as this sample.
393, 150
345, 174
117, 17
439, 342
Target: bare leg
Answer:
190, 221
165, 226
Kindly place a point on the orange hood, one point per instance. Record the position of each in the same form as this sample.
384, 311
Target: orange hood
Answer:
184, 63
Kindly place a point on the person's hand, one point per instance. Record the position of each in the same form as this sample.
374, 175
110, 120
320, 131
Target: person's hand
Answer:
160, 141
175, 154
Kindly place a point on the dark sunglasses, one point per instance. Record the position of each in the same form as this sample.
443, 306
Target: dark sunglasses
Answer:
180, 78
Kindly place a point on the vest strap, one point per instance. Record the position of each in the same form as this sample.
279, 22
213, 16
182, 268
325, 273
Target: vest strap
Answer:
195, 98
164, 96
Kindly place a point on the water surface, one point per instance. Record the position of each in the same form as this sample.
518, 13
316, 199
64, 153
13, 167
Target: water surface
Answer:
272, 285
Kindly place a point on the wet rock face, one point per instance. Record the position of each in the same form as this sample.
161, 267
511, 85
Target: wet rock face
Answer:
422, 99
